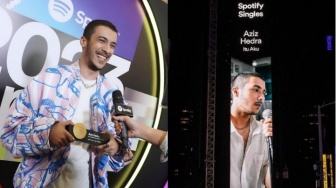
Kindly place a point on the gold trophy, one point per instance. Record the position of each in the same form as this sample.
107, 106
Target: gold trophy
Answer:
82, 134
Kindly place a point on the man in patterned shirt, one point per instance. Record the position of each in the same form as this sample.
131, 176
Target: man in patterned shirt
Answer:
35, 127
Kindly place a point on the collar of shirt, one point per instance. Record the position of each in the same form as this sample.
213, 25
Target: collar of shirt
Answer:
256, 126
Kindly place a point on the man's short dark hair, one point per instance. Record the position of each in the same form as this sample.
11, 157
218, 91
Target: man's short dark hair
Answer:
242, 78
90, 28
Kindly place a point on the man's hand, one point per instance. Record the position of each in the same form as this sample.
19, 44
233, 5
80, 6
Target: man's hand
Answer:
138, 130
59, 137
134, 127
110, 148
267, 127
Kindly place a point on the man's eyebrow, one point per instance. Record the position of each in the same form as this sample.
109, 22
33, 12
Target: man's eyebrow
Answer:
257, 86
102, 37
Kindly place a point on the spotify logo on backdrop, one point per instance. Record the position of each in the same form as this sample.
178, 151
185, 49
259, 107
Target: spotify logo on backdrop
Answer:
61, 10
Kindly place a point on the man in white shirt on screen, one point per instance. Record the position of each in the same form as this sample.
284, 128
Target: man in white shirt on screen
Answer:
249, 160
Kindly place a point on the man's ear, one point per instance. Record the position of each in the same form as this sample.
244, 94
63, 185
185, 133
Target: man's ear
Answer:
83, 42
235, 91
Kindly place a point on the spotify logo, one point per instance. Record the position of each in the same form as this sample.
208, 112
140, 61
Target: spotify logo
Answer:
60, 10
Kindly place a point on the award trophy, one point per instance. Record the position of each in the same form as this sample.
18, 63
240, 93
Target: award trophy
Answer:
82, 134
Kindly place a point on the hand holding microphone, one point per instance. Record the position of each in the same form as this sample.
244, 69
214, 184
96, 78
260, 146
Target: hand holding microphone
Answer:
129, 127
268, 130
120, 109
267, 122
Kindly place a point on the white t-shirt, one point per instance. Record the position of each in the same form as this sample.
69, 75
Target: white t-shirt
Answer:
76, 170
248, 169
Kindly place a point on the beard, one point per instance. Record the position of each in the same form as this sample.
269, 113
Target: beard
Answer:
247, 107
91, 65
251, 113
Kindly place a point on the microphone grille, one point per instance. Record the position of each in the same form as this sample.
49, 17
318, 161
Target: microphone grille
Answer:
117, 97
267, 113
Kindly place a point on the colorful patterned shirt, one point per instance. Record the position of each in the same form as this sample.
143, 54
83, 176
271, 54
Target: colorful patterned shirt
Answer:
53, 96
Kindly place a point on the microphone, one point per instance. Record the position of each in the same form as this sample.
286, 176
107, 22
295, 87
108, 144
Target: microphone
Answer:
268, 114
120, 109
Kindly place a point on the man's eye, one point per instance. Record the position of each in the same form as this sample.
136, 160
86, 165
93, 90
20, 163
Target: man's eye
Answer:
257, 90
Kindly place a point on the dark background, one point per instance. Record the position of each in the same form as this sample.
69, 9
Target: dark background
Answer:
303, 76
